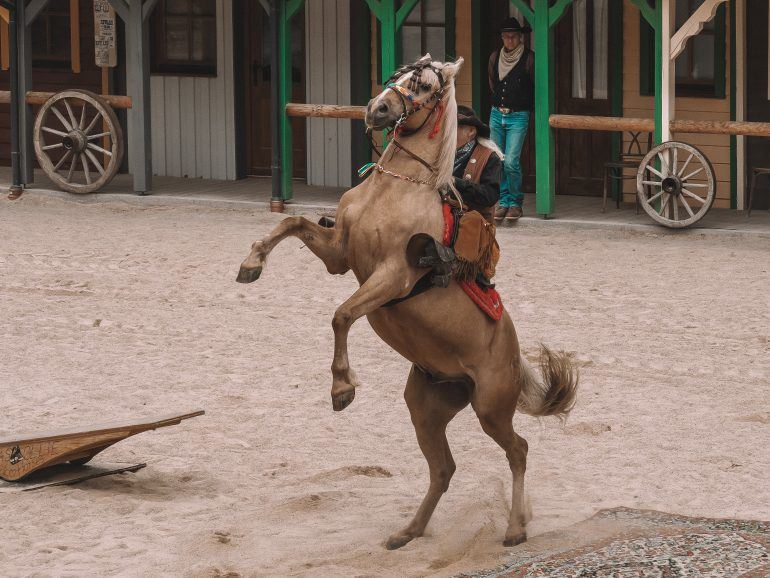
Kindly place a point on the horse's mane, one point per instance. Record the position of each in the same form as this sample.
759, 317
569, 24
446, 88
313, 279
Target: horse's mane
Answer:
446, 158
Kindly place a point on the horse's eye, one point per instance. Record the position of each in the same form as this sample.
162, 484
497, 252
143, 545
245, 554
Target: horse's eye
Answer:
425, 87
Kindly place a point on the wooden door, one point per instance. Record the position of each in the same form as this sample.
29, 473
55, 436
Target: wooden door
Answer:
257, 80
583, 87
758, 93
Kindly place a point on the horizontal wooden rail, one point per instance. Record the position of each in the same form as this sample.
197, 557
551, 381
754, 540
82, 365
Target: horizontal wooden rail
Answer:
611, 123
114, 100
721, 127
608, 123
325, 111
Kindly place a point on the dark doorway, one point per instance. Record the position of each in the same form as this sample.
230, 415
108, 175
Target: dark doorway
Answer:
758, 94
257, 79
583, 87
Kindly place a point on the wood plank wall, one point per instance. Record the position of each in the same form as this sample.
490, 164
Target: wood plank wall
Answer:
193, 118
715, 147
327, 43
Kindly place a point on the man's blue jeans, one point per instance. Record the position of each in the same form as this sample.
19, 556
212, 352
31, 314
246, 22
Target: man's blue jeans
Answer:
509, 132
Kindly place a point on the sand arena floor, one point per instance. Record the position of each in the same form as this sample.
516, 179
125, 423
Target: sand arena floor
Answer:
672, 333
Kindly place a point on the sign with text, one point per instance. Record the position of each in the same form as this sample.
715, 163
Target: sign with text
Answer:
104, 34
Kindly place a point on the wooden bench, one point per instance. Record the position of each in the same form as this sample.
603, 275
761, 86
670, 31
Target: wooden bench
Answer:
21, 455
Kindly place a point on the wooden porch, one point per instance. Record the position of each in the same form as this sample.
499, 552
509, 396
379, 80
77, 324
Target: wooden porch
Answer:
256, 192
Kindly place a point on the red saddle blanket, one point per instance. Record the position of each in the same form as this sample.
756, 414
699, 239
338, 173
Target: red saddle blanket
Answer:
488, 299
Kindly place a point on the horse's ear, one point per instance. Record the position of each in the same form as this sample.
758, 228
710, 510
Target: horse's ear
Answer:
450, 69
427, 59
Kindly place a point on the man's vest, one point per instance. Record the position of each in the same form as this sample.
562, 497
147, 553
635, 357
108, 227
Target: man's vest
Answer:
472, 172
516, 91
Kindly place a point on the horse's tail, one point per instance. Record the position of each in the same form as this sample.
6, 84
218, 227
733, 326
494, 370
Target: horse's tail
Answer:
552, 394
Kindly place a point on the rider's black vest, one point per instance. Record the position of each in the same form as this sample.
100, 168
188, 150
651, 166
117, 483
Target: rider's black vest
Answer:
516, 91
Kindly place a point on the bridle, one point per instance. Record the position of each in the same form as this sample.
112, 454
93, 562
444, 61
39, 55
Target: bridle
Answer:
412, 104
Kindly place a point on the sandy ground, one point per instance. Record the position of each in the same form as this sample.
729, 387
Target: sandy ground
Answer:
672, 333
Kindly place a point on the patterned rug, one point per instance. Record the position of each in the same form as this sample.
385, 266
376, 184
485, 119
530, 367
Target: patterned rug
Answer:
625, 543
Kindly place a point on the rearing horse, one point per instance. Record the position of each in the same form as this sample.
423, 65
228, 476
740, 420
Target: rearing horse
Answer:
459, 356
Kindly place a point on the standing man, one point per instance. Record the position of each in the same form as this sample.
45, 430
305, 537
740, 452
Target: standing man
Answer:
511, 83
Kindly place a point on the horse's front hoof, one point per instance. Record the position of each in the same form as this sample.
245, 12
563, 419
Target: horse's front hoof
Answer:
515, 540
397, 541
248, 275
343, 400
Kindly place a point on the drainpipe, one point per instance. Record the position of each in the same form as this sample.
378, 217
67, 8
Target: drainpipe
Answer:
16, 160
276, 201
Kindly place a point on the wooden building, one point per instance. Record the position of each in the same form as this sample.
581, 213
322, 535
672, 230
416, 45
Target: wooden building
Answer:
207, 81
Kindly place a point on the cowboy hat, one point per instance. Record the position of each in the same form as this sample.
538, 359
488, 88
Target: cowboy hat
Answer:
467, 116
513, 25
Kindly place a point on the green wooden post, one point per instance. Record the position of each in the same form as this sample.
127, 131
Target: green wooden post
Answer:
543, 18
545, 164
391, 19
284, 79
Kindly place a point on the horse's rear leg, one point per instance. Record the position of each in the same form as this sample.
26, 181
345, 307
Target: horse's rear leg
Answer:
432, 406
494, 401
325, 243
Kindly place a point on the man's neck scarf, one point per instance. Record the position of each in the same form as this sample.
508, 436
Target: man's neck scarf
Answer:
509, 59
463, 154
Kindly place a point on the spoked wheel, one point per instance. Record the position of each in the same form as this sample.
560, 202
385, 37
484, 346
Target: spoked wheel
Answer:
78, 141
676, 184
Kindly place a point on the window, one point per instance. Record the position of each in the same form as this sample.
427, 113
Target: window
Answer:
185, 37
700, 68
590, 38
425, 30
50, 33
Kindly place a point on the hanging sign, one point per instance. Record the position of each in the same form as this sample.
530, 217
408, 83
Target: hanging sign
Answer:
104, 34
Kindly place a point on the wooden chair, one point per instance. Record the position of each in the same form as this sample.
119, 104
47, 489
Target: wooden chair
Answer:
630, 159
755, 172
22, 454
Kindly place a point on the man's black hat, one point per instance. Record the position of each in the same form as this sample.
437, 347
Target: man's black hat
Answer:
467, 116
513, 25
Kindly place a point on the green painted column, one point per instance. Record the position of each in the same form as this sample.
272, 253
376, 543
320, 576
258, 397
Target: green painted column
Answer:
545, 146
284, 79
543, 18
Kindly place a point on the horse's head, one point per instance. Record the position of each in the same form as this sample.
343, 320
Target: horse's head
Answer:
411, 93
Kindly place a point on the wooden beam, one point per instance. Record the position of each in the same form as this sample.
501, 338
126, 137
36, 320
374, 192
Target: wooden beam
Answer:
404, 11
32, 11
695, 23
325, 111
737, 128
621, 124
147, 8
648, 13
601, 123
121, 7
5, 15
292, 6
666, 97
525, 10
556, 11
75, 36
38, 98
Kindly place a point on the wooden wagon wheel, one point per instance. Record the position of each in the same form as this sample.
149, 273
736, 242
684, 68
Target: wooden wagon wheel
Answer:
676, 184
78, 141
